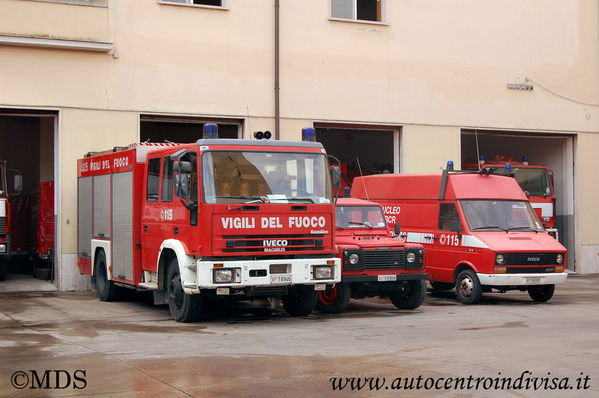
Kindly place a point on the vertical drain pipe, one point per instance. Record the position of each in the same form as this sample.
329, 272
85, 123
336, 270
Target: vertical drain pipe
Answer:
277, 110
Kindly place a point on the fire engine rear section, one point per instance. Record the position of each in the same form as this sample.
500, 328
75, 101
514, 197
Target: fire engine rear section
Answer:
4, 222
235, 218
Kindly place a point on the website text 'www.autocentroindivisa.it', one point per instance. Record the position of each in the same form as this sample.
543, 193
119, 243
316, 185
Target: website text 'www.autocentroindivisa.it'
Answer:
525, 381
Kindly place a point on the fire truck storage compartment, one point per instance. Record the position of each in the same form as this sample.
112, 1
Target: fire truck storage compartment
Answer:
105, 211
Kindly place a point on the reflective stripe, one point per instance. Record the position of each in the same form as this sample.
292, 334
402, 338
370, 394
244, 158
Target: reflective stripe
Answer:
546, 208
419, 237
472, 241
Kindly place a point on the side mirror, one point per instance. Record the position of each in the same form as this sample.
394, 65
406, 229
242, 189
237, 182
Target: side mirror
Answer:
454, 226
182, 185
182, 167
18, 183
336, 176
397, 229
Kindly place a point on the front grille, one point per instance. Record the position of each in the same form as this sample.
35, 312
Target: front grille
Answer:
384, 259
529, 270
272, 243
2, 225
530, 259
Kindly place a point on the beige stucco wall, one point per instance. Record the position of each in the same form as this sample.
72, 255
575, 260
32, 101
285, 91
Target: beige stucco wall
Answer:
433, 68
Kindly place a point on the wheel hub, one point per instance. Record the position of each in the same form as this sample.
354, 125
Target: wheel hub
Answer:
175, 291
466, 287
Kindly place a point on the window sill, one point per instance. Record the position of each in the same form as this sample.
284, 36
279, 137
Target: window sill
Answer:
59, 44
89, 3
168, 3
359, 21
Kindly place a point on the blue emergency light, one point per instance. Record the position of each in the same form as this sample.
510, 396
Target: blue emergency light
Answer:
308, 134
508, 167
525, 160
450, 165
210, 131
481, 158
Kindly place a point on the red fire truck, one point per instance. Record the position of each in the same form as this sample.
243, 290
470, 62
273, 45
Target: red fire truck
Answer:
4, 222
374, 264
535, 181
234, 218
479, 231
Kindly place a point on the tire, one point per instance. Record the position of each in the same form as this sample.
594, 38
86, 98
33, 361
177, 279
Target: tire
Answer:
334, 300
441, 286
107, 291
300, 300
540, 293
3, 267
183, 307
468, 287
410, 295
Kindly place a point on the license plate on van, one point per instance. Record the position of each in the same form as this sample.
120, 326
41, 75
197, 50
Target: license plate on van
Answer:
534, 281
387, 278
285, 278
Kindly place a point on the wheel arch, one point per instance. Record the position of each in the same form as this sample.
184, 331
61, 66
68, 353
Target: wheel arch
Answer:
461, 267
173, 248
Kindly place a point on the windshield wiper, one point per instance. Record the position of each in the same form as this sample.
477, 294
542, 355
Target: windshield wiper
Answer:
489, 227
309, 200
522, 228
366, 223
253, 199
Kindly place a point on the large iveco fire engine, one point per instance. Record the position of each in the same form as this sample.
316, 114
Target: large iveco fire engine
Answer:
235, 218
479, 231
374, 264
4, 222
535, 181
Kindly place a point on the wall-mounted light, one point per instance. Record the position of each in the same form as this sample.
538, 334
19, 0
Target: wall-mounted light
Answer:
516, 86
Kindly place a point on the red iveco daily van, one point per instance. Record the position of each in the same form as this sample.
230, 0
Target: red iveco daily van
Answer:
478, 230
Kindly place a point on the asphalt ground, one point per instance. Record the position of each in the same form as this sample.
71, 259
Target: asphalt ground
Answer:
73, 345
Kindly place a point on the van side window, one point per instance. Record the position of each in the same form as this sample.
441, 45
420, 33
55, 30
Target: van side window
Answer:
153, 180
448, 213
167, 180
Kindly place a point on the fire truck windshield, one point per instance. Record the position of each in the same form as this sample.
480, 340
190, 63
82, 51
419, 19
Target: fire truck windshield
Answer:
500, 215
534, 180
260, 177
359, 217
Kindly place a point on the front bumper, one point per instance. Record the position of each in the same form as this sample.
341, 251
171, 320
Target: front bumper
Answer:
521, 279
258, 273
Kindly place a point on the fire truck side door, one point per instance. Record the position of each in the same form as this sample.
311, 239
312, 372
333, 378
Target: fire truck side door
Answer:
446, 248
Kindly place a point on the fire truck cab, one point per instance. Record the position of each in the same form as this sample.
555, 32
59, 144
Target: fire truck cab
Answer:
374, 264
479, 231
218, 218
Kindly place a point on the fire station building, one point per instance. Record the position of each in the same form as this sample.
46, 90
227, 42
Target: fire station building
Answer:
390, 87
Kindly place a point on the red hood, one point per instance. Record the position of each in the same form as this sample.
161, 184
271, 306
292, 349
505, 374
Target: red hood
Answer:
519, 241
366, 239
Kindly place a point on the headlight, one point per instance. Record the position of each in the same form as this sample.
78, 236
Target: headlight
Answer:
323, 272
560, 258
3, 248
499, 259
411, 257
354, 258
223, 275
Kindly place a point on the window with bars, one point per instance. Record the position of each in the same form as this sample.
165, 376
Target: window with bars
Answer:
216, 3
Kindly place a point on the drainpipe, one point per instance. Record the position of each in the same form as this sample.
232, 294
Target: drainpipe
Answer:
277, 111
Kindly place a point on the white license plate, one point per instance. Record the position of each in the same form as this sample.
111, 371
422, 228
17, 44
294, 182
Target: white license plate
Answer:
533, 281
285, 278
387, 278
320, 287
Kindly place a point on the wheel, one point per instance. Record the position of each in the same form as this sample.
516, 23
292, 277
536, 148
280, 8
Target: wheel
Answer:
468, 287
334, 300
3, 267
441, 286
183, 307
410, 295
107, 291
540, 293
300, 300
